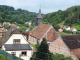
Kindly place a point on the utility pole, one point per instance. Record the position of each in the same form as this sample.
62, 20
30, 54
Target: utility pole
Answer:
19, 56
6, 57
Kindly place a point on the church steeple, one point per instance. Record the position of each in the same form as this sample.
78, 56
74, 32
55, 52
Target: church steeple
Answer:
39, 17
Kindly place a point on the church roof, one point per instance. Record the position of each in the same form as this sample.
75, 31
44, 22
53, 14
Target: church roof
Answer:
39, 15
39, 31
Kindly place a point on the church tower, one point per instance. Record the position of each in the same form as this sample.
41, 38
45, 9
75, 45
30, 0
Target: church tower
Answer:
39, 18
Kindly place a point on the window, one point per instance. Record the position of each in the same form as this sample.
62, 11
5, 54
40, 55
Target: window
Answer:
16, 41
24, 54
13, 53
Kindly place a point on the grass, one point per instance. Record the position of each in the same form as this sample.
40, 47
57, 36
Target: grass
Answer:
62, 23
63, 33
77, 27
2, 57
33, 45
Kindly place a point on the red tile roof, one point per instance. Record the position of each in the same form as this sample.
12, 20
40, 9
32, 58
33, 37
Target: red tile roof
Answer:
52, 35
40, 30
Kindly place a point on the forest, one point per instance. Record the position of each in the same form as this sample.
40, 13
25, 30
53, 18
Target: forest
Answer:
68, 17
9, 14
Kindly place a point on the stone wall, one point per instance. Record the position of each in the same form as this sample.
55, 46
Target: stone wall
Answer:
58, 46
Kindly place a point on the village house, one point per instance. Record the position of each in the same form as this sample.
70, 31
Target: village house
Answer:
13, 25
60, 30
6, 23
73, 43
2, 31
29, 23
73, 29
67, 28
16, 44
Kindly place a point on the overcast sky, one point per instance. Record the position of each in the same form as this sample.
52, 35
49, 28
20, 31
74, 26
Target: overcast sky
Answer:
47, 6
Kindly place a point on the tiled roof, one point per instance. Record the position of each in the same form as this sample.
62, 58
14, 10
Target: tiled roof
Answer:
40, 30
52, 35
14, 47
73, 42
7, 35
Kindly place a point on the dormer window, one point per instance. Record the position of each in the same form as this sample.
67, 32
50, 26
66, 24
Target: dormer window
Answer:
16, 41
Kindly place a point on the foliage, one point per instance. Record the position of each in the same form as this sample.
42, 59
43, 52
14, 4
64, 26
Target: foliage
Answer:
2, 57
22, 28
7, 26
43, 53
37, 45
70, 16
8, 14
56, 26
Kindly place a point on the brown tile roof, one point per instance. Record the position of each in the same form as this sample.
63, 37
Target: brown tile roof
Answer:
40, 30
76, 52
7, 35
52, 35
27, 34
73, 42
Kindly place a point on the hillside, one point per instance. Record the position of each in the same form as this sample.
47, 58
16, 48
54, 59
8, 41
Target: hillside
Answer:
2, 57
9, 14
68, 17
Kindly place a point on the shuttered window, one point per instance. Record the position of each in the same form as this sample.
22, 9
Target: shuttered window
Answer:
16, 41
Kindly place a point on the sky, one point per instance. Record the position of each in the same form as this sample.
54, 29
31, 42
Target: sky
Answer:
47, 6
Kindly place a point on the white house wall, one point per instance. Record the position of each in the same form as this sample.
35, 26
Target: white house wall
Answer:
29, 54
17, 36
74, 30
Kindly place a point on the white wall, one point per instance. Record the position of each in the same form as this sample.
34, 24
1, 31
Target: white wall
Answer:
68, 28
29, 54
17, 36
74, 30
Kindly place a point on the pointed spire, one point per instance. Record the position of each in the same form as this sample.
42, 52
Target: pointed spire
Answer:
39, 15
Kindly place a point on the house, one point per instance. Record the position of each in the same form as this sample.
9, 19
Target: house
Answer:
60, 30
2, 31
67, 28
73, 29
6, 23
28, 29
13, 25
42, 31
29, 23
55, 41
16, 44
73, 43
60, 46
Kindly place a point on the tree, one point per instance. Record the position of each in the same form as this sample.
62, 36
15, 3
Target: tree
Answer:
42, 51
43, 48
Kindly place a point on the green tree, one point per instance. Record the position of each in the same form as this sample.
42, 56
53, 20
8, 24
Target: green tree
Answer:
42, 51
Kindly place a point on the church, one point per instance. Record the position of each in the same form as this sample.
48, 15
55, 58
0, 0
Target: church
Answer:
57, 44
41, 31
